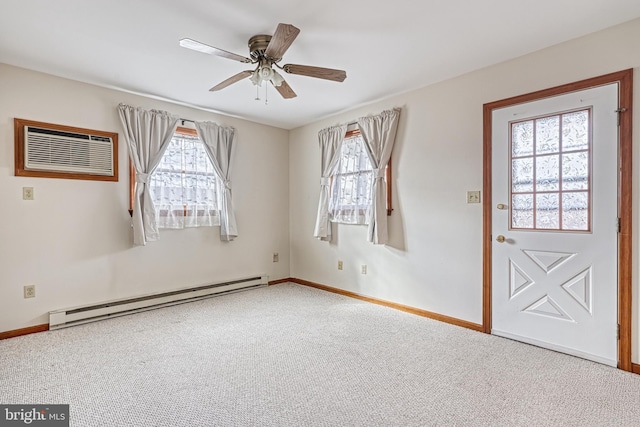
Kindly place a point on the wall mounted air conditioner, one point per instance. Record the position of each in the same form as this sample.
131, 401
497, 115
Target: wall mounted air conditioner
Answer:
56, 151
53, 150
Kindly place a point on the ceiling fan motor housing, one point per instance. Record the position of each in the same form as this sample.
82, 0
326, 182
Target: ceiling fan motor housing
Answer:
257, 45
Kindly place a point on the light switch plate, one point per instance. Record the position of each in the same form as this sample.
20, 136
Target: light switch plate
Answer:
473, 197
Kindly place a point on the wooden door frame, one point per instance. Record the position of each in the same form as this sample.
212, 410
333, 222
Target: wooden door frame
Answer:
625, 80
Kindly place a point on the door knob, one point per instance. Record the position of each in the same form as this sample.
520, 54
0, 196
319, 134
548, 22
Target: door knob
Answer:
500, 238
501, 206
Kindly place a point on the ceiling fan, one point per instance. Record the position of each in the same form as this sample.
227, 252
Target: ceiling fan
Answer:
266, 51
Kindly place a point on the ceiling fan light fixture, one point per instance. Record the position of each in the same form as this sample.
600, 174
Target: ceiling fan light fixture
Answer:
255, 78
266, 72
276, 79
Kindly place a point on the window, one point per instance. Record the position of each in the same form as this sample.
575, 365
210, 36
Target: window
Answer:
352, 183
550, 172
184, 186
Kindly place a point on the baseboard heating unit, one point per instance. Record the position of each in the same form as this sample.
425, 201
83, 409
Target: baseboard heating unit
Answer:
105, 310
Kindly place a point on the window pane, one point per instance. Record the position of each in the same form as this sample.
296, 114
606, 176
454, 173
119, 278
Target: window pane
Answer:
575, 131
363, 161
575, 211
522, 175
347, 158
548, 135
351, 189
547, 173
575, 171
172, 159
365, 184
522, 211
522, 139
190, 189
353, 157
166, 188
202, 161
189, 152
185, 181
548, 211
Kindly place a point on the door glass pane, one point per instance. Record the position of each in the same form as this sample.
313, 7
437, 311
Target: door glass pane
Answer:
575, 211
522, 175
575, 131
550, 172
575, 171
548, 135
522, 210
522, 139
547, 173
548, 211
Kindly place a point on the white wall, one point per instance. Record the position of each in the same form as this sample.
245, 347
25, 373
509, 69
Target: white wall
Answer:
74, 240
434, 258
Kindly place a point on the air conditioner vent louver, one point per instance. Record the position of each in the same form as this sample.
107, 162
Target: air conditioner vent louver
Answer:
70, 152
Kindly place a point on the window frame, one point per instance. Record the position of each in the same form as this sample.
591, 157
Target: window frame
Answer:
388, 174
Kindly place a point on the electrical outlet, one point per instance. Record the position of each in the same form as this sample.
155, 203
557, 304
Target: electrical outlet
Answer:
30, 291
276, 257
364, 268
339, 265
27, 193
473, 197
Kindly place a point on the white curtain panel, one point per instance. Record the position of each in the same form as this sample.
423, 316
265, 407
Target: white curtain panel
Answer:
379, 134
147, 133
330, 140
219, 143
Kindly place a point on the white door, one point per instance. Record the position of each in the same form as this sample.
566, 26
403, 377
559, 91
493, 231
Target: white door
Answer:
555, 223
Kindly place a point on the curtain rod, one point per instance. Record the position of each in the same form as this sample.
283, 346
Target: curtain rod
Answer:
186, 120
356, 122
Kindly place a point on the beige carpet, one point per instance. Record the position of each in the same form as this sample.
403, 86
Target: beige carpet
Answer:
288, 355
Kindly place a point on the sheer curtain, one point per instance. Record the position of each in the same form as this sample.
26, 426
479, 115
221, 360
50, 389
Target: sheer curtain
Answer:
330, 140
184, 186
147, 134
379, 135
219, 142
351, 189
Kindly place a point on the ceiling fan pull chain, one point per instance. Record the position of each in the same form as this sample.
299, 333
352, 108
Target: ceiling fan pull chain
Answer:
257, 93
266, 96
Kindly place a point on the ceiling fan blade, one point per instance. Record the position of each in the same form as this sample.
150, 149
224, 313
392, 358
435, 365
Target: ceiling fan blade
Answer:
281, 40
285, 90
231, 80
201, 47
317, 72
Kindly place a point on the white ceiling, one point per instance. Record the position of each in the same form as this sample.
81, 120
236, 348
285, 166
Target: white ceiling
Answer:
386, 47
